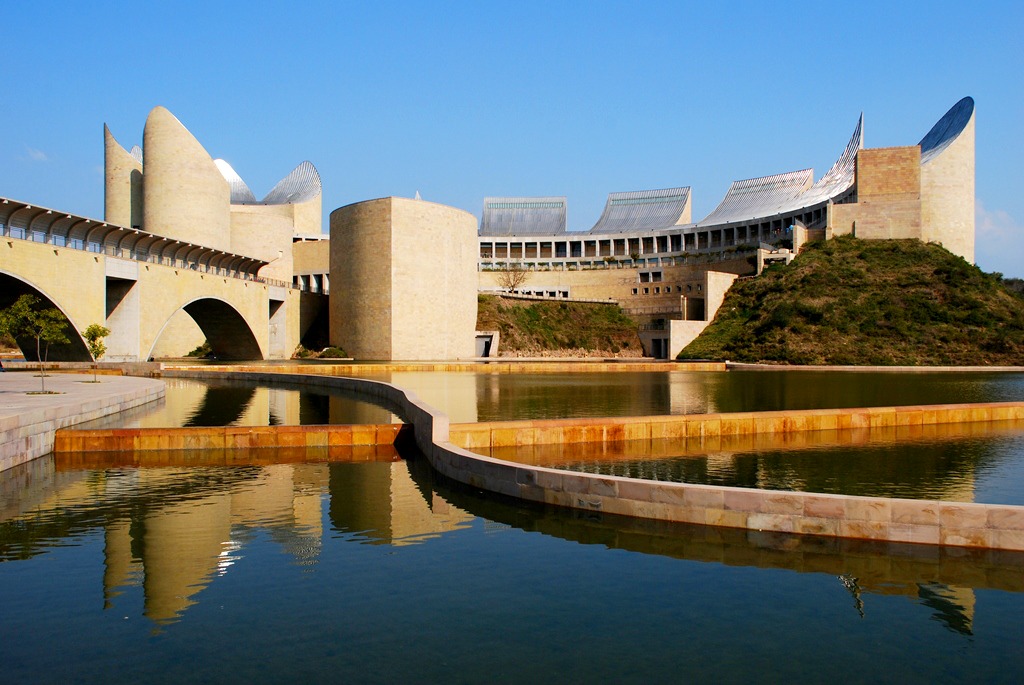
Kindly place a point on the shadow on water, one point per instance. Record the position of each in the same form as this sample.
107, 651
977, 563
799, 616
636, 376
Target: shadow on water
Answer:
971, 462
222, 405
943, 578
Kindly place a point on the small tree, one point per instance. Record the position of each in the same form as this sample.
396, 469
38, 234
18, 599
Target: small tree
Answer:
94, 336
26, 319
512, 276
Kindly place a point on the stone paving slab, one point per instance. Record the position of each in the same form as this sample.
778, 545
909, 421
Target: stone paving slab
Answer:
28, 421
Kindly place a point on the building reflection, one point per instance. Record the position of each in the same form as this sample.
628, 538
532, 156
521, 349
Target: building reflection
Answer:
171, 532
943, 580
174, 550
223, 403
382, 504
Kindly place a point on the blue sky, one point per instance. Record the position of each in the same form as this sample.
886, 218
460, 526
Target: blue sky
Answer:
467, 99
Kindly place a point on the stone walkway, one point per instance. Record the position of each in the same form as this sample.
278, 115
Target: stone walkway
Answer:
28, 421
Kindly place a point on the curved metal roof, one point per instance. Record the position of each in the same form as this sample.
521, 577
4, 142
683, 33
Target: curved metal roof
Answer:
946, 129
240, 192
136, 153
523, 216
772, 195
841, 176
301, 185
758, 197
642, 210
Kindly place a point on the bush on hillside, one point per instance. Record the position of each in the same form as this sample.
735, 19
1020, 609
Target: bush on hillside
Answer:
886, 302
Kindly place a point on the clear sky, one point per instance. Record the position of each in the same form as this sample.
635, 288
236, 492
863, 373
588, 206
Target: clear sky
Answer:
463, 100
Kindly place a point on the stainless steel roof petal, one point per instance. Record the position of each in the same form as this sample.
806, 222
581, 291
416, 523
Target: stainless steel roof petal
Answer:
642, 210
760, 197
946, 129
790, 192
301, 185
523, 216
240, 192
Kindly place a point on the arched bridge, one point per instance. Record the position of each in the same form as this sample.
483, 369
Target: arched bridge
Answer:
135, 282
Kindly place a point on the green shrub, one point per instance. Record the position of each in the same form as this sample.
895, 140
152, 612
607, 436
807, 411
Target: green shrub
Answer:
203, 350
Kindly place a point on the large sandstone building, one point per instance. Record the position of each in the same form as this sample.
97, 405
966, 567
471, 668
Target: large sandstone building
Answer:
171, 187
406, 273
647, 254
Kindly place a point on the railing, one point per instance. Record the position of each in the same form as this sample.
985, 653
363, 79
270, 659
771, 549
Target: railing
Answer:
141, 256
704, 255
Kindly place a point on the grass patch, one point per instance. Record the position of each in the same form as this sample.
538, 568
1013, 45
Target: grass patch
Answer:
549, 327
884, 302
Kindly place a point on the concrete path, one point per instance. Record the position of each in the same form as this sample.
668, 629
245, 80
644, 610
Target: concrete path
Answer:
28, 421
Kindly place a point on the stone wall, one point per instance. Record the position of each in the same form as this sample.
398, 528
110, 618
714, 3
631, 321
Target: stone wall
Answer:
185, 197
264, 232
619, 282
122, 199
311, 257
947, 196
888, 196
404, 278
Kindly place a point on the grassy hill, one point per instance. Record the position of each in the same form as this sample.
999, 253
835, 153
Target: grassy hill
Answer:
849, 301
541, 328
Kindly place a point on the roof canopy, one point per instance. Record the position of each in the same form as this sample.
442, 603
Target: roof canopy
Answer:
641, 210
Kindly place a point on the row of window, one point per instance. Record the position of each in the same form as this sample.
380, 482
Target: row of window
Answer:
666, 290
627, 247
624, 248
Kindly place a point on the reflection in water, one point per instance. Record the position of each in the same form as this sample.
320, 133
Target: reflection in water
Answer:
484, 396
943, 579
221, 406
224, 403
172, 531
981, 462
381, 504
502, 397
776, 390
954, 607
333, 566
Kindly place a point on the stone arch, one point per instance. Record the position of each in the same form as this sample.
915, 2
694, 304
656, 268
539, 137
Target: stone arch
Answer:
226, 330
11, 288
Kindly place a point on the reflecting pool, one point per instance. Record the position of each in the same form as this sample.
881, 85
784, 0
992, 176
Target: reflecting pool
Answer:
982, 462
484, 396
481, 396
236, 403
375, 572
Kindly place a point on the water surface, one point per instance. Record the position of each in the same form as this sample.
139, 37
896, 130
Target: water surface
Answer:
486, 396
373, 572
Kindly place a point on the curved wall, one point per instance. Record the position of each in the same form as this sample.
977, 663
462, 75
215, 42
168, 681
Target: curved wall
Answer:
406, 273
360, 320
122, 201
947, 195
264, 232
307, 217
185, 196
